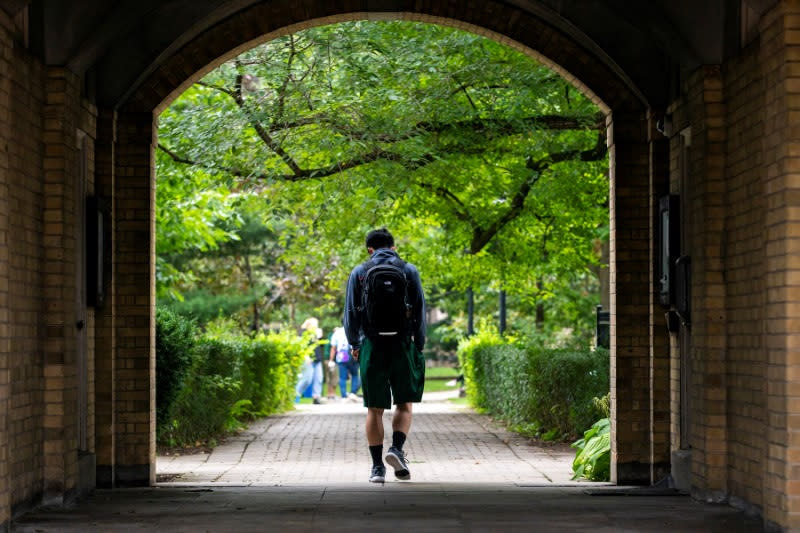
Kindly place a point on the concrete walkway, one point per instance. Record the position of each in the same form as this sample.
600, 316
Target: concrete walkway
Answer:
307, 471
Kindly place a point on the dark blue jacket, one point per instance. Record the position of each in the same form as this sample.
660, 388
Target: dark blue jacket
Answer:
352, 317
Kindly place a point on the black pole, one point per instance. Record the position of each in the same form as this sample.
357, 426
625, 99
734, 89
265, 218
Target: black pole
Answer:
470, 312
502, 312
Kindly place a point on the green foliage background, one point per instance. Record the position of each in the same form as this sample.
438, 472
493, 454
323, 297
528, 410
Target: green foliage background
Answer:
489, 169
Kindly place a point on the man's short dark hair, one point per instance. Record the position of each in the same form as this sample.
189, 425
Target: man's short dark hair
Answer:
379, 238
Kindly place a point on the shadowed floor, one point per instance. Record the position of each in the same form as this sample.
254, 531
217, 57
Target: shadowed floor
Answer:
307, 471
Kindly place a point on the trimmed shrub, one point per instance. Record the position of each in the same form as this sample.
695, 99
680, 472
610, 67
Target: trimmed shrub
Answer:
563, 385
175, 343
540, 391
232, 379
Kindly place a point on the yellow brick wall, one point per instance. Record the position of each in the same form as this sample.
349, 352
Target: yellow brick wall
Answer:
744, 276
629, 154
659, 339
701, 116
780, 45
742, 213
134, 304
105, 345
21, 296
40, 112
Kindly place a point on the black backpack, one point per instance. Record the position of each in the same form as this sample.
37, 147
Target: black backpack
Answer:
385, 310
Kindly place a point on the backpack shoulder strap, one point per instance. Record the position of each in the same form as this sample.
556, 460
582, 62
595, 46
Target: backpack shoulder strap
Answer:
365, 266
398, 263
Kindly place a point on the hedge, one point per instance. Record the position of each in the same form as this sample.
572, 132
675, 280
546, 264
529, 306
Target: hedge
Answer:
175, 344
229, 379
539, 390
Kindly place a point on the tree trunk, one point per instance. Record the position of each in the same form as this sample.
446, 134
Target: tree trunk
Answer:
539, 309
470, 312
249, 271
502, 312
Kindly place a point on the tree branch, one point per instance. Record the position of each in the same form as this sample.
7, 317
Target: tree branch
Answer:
481, 236
262, 132
311, 173
219, 88
482, 125
459, 209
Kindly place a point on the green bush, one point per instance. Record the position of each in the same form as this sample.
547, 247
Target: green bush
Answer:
546, 392
472, 353
232, 379
175, 343
269, 371
563, 384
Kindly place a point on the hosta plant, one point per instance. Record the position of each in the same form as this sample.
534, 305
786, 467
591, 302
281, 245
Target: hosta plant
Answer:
593, 460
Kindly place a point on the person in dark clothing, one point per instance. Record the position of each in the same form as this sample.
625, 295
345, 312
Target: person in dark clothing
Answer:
391, 363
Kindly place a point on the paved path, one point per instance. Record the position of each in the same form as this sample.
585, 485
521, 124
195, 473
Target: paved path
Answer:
306, 472
320, 444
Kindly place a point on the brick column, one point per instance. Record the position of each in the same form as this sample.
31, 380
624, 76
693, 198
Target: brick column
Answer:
705, 215
105, 345
780, 46
659, 337
60, 394
629, 158
134, 300
6, 133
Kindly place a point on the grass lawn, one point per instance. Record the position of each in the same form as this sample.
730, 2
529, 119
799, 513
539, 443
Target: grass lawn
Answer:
442, 372
438, 385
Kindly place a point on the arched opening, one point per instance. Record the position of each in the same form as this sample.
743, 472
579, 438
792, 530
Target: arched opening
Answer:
465, 168
638, 421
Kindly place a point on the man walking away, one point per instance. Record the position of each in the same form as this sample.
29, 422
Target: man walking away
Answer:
385, 325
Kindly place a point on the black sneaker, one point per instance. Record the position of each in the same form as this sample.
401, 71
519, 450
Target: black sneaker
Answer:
397, 460
378, 474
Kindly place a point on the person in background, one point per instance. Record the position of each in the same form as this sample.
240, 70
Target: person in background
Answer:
331, 376
348, 366
312, 368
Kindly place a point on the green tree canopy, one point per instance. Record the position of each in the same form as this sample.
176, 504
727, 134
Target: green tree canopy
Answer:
488, 167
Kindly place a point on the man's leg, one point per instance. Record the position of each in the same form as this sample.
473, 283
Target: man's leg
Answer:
374, 428
401, 421
401, 424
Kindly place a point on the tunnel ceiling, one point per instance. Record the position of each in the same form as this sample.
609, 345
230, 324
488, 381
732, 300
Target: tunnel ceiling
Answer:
117, 44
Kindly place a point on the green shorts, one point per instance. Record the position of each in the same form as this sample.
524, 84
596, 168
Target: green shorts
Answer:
391, 371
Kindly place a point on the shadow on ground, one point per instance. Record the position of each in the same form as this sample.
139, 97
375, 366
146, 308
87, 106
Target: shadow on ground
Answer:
417, 507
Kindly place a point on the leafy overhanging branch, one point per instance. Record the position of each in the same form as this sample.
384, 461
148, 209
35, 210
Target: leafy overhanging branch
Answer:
310, 173
551, 122
483, 234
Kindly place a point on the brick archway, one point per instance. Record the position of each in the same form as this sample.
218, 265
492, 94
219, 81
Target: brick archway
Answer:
82, 81
128, 455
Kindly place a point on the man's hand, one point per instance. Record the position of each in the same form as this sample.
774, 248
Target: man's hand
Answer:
331, 365
356, 352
